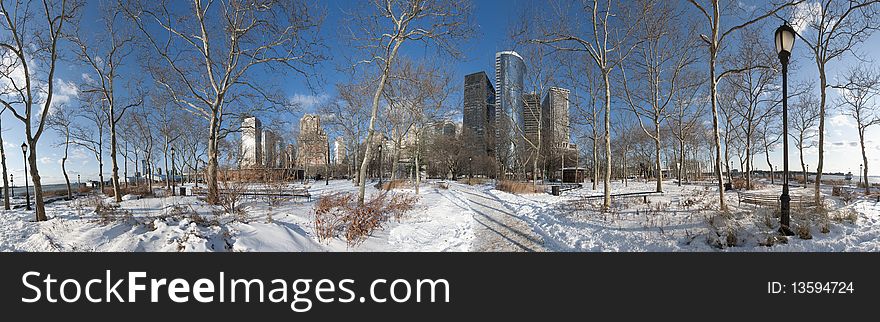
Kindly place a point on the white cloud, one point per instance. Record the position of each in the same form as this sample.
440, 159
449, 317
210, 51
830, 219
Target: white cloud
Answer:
46, 160
841, 120
804, 14
87, 78
308, 102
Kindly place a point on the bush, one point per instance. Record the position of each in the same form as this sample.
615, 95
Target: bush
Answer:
474, 181
395, 184
518, 187
108, 213
338, 214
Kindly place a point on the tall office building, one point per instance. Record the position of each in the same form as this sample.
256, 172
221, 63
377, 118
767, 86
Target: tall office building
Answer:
339, 150
313, 144
270, 149
251, 143
479, 113
509, 78
532, 121
557, 130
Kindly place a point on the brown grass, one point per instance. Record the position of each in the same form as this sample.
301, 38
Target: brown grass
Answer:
395, 184
518, 187
474, 181
338, 214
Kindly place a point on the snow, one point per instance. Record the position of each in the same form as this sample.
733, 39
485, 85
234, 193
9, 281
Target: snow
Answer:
457, 218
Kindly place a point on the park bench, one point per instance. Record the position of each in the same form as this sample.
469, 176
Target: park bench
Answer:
292, 192
762, 199
644, 195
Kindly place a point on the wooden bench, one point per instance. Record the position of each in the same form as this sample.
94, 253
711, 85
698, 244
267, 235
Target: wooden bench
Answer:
295, 192
760, 199
643, 195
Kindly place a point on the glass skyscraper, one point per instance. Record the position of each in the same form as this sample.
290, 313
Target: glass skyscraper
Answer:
510, 70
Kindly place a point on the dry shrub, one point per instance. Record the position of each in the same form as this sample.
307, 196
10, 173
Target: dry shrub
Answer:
847, 195
518, 187
231, 196
338, 214
395, 184
803, 231
108, 213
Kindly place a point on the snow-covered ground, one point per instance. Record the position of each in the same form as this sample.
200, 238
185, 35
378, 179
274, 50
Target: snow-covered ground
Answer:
461, 218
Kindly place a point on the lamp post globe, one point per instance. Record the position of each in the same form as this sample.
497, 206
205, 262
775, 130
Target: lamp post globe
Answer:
784, 41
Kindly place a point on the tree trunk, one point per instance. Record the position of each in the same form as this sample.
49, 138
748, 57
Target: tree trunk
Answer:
680, 161
865, 160
606, 204
115, 175
213, 152
715, 133
6, 205
40, 207
657, 161
370, 130
596, 158
418, 172
822, 85
803, 165
767, 155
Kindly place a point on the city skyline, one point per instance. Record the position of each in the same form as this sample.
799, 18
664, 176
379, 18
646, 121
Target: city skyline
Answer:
841, 139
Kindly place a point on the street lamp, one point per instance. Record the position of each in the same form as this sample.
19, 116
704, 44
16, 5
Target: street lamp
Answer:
380, 165
12, 182
27, 192
470, 169
806, 175
784, 40
173, 183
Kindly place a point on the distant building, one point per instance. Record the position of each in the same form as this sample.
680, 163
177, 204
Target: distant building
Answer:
479, 113
443, 127
313, 143
510, 72
557, 129
531, 121
270, 149
339, 150
251, 143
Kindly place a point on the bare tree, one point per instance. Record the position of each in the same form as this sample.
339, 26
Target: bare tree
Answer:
858, 96
714, 11
383, 32
662, 55
105, 53
61, 121
207, 54
603, 43
3, 163
805, 118
830, 29
587, 97
32, 31
755, 90
90, 135
688, 109
347, 114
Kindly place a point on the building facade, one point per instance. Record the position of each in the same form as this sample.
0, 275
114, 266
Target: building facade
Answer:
313, 143
557, 129
270, 151
251, 143
479, 113
532, 121
339, 150
510, 72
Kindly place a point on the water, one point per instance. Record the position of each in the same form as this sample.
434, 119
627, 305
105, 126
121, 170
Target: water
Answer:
19, 190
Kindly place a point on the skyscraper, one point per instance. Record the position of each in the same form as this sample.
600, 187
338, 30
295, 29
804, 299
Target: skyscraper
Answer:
270, 149
339, 150
509, 78
251, 143
557, 131
479, 113
532, 121
313, 144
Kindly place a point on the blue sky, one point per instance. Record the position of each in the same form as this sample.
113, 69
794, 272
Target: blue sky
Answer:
494, 19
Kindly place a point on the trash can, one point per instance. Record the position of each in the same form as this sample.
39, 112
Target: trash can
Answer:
728, 186
182, 191
554, 190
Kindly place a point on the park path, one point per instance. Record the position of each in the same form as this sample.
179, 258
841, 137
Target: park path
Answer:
498, 229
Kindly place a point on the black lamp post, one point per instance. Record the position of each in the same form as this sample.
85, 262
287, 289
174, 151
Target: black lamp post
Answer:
173, 183
784, 40
470, 168
860, 175
27, 192
12, 183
